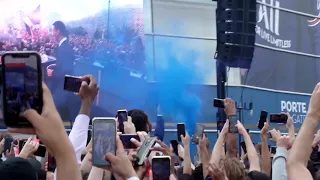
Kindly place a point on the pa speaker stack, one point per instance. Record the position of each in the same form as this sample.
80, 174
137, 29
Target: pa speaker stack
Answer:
236, 22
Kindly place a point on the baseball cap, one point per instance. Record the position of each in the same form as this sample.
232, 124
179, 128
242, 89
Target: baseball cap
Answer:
19, 169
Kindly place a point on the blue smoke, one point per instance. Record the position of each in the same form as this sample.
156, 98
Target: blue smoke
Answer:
174, 75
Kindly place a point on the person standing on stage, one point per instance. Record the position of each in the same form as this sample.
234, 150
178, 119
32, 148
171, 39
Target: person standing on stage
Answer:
64, 65
64, 53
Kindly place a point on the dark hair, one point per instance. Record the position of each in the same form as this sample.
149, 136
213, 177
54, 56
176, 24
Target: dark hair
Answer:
140, 120
59, 25
198, 172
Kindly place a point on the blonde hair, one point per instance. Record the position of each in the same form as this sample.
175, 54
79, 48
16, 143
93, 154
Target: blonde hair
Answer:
234, 168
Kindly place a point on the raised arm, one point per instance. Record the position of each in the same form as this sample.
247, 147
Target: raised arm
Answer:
290, 126
219, 146
251, 151
187, 159
301, 149
265, 152
79, 133
231, 142
49, 128
279, 167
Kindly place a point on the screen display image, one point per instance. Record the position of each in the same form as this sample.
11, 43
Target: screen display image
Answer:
104, 140
22, 86
99, 37
161, 168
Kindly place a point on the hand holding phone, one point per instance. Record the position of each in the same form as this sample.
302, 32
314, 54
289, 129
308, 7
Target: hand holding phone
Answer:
122, 116
181, 129
104, 140
198, 134
232, 124
278, 118
22, 86
73, 83
263, 119
161, 167
126, 140
218, 103
144, 150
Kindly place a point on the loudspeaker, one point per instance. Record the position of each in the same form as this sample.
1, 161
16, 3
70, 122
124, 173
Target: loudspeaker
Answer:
236, 22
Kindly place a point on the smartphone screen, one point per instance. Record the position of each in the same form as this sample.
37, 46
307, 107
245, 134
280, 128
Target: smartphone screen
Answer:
22, 86
263, 119
219, 103
278, 118
198, 134
104, 140
161, 168
232, 125
159, 131
127, 144
7, 144
174, 144
72, 83
181, 129
122, 117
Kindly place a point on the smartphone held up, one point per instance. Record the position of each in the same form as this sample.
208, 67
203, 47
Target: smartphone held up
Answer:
73, 83
122, 116
218, 103
263, 119
161, 167
278, 118
232, 124
22, 86
104, 132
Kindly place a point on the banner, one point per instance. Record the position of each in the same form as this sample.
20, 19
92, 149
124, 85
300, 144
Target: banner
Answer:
277, 32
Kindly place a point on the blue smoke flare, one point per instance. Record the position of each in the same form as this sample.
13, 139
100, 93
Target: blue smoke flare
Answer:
174, 74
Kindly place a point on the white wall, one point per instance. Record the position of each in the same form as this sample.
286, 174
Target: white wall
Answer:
190, 26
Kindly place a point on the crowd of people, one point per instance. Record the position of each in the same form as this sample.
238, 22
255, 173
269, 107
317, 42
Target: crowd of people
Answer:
128, 52
73, 152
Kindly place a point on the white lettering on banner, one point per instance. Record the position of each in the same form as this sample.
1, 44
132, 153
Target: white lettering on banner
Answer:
298, 110
271, 25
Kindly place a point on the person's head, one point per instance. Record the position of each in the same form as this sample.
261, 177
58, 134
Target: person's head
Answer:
140, 120
234, 168
19, 168
59, 30
257, 175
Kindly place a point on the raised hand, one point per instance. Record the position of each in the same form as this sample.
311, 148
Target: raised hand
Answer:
129, 127
88, 92
265, 131
289, 121
121, 166
275, 134
285, 142
29, 148
241, 128
230, 107
185, 139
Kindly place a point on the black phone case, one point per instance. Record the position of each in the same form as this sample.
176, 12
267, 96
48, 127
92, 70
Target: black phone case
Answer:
181, 131
21, 122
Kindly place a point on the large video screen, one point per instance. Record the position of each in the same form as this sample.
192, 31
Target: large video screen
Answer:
79, 37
